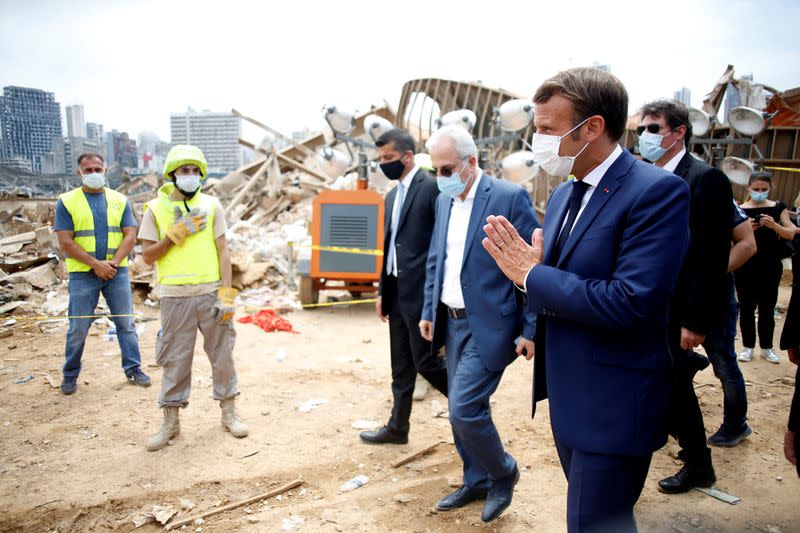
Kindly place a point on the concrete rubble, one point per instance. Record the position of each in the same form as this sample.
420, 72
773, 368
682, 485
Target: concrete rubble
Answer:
267, 205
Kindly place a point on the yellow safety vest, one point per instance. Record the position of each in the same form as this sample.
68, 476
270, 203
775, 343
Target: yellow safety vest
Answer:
83, 224
195, 261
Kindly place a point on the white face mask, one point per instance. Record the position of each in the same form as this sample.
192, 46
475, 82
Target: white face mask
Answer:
545, 153
188, 183
95, 180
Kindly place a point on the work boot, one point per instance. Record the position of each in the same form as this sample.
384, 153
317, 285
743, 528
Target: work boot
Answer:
231, 420
170, 429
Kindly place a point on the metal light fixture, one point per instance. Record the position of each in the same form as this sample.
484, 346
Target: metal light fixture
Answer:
376, 126
700, 121
465, 118
515, 115
737, 169
519, 167
747, 121
333, 162
339, 121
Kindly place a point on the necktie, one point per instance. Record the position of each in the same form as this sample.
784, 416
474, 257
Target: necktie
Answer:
578, 190
391, 264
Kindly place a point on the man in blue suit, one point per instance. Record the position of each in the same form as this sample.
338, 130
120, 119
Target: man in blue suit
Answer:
600, 277
477, 314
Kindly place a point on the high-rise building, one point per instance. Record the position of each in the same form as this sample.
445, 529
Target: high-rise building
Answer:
120, 148
66, 152
76, 126
684, 96
29, 119
95, 132
216, 134
151, 151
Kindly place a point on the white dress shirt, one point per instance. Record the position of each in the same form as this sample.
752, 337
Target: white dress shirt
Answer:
454, 247
406, 183
672, 164
592, 179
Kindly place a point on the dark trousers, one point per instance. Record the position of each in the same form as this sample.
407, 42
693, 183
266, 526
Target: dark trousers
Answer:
411, 354
685, 416
757, 287
721, 353
471, 386
601, 489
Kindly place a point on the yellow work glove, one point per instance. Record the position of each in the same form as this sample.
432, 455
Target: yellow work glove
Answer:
224, 307
192, 222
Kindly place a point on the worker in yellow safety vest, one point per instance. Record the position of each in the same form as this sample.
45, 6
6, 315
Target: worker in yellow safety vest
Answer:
96, 231
183, 233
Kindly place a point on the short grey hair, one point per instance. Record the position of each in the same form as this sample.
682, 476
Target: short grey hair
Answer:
463, 141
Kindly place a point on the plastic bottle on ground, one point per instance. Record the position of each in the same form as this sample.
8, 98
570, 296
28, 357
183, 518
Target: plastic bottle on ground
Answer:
356, 482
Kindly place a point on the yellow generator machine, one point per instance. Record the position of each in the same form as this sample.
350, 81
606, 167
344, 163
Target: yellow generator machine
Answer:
347, 244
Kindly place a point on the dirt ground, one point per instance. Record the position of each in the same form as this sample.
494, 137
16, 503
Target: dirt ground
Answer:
79, 463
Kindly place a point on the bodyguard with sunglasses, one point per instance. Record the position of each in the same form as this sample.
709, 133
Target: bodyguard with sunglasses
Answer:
701, 294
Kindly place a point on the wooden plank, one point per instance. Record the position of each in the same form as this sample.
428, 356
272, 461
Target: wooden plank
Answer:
249, 186
278, 134
270, 494
410, 457
300, 166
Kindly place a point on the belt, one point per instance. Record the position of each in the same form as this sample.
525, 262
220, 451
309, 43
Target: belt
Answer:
456, 313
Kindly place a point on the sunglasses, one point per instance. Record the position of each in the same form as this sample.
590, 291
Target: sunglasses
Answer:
446, 172
652, 128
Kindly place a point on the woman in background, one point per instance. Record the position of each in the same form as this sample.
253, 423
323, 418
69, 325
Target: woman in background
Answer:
757, 280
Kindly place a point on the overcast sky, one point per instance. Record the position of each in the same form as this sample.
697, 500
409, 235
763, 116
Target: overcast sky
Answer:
133, 62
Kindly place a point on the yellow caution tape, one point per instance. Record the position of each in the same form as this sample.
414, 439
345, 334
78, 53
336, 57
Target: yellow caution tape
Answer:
363, 251
346, 302
248, 307
45, 317
784, 168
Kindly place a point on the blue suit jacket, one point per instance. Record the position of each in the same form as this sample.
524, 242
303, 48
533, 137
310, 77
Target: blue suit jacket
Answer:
605, 303
495, 309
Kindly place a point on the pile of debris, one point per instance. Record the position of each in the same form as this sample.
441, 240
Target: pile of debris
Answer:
31, 272
267, 203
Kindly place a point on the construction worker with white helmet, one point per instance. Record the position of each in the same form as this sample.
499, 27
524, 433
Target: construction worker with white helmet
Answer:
183, 233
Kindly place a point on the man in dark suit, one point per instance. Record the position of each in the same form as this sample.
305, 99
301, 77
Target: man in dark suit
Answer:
599, 276
475, 312
410, 210
701, 295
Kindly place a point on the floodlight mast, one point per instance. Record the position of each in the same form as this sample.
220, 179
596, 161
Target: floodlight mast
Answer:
339, 133
745, 123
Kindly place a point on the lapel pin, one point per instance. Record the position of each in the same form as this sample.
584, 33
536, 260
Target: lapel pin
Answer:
605, 189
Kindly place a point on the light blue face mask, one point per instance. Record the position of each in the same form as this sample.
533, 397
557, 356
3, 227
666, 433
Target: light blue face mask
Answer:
650, 146
758, 196
451, 186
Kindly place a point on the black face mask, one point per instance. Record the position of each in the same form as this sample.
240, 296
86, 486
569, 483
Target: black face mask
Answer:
394, 169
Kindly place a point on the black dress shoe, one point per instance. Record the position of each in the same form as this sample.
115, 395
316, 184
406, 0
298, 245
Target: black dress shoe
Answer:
688, 478
499, 497
384, 436
461, 497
